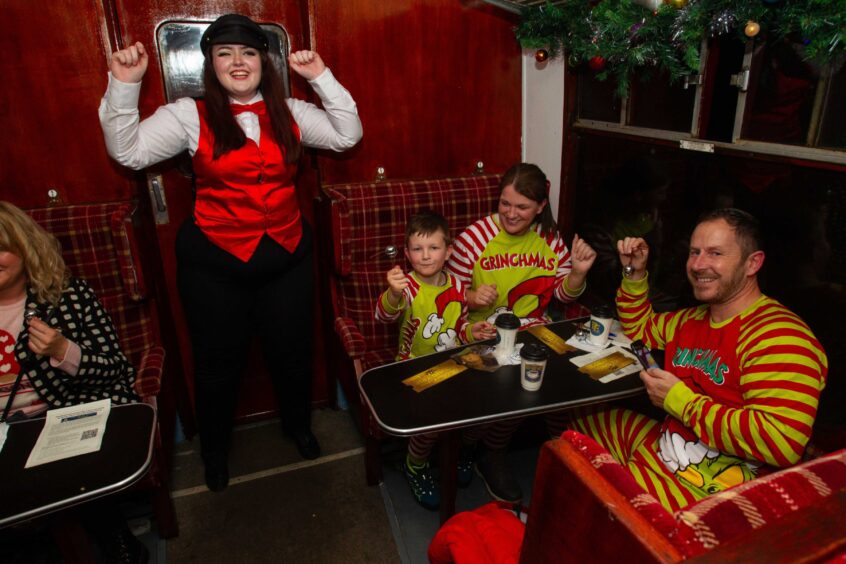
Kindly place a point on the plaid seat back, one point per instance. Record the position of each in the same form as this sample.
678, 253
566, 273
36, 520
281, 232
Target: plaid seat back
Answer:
366, 218
98, 246
733, 513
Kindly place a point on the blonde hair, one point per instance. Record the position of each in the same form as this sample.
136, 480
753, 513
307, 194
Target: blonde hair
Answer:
46, 273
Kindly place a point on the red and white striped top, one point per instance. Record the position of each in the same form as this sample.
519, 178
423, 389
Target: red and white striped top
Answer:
528, 269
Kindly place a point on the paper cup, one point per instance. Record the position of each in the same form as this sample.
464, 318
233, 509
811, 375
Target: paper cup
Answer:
507, 325
600, 326
532, 366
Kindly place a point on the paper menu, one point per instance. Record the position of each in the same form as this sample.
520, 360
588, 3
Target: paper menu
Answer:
70, 431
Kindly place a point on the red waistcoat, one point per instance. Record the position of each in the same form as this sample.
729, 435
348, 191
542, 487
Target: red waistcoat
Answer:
245, 193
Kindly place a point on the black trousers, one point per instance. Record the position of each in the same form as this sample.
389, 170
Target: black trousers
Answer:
226, 302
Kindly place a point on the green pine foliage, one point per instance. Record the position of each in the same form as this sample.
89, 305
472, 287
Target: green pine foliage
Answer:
631, 38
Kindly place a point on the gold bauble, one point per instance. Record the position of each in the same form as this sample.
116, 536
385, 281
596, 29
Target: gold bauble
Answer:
751, 29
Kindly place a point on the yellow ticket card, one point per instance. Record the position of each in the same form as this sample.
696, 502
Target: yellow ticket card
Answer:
434, 375
550, 339
606, 365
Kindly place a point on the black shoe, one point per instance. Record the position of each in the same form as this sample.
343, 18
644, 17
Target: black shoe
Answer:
119, 546
217, 474
494, 471
306, 443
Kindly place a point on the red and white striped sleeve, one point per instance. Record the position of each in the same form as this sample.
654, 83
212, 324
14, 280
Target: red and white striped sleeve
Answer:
565, 265
387, 313
462, 326
468, 247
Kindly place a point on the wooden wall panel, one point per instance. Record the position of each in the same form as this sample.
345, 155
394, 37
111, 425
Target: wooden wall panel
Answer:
54, 73
437, 84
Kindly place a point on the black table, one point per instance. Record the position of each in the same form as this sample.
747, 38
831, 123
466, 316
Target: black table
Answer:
475, 397
123, 458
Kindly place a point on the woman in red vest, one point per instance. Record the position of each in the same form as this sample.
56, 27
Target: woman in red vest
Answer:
244, 258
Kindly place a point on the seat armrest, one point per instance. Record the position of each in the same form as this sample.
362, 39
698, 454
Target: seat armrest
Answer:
570, 493
351, 337
148, 381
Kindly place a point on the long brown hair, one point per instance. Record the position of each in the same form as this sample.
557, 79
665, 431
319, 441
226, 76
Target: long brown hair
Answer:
530, 181
46, 273
228, 135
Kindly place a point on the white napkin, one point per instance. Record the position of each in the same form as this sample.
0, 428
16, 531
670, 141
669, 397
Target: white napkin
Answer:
513, 359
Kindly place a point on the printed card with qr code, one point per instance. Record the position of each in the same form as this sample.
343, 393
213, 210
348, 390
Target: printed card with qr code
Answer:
70, 431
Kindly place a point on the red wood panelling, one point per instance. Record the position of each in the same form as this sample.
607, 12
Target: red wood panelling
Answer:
437, 84
54, 73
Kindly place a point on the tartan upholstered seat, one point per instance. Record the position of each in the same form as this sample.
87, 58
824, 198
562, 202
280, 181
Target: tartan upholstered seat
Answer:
366, 218
98, 245
587, 507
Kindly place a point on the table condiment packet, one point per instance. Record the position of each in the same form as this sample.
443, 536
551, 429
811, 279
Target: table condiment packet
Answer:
550, 339
477, 357
434, 375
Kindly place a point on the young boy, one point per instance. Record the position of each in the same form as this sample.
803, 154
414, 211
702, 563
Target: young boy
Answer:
432, 309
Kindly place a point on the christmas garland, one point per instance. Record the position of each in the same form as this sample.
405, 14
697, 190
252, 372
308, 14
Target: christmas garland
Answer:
617, 37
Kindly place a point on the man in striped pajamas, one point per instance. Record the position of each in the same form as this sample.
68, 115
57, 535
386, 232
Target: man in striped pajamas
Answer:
742, 379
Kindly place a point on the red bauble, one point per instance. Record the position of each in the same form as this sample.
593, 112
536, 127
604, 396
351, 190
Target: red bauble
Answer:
596, 63
541, 55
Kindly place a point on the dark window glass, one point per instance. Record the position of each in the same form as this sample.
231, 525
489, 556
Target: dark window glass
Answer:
597, 99
719, 106
657, 104
781, 95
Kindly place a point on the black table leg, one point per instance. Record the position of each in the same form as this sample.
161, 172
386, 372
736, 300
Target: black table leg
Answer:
450, 443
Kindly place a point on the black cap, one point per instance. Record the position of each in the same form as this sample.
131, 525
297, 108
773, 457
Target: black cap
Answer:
534, 351
507, 320
603, 311
234, 29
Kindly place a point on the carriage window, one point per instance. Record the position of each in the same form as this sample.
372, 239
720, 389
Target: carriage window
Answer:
598, 100
657, 104
781, 97
766, 97
182, 59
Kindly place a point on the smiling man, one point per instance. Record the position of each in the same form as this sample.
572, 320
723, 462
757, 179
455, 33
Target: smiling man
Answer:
742, 378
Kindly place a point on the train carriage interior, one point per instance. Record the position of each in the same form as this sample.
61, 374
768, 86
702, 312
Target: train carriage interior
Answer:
450, 94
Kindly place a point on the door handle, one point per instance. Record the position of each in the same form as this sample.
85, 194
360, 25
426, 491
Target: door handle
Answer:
155, 187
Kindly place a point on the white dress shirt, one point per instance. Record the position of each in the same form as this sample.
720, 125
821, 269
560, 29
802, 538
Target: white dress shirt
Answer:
175, 127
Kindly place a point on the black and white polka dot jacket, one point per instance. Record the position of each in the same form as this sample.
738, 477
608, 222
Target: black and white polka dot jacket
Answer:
104, 372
